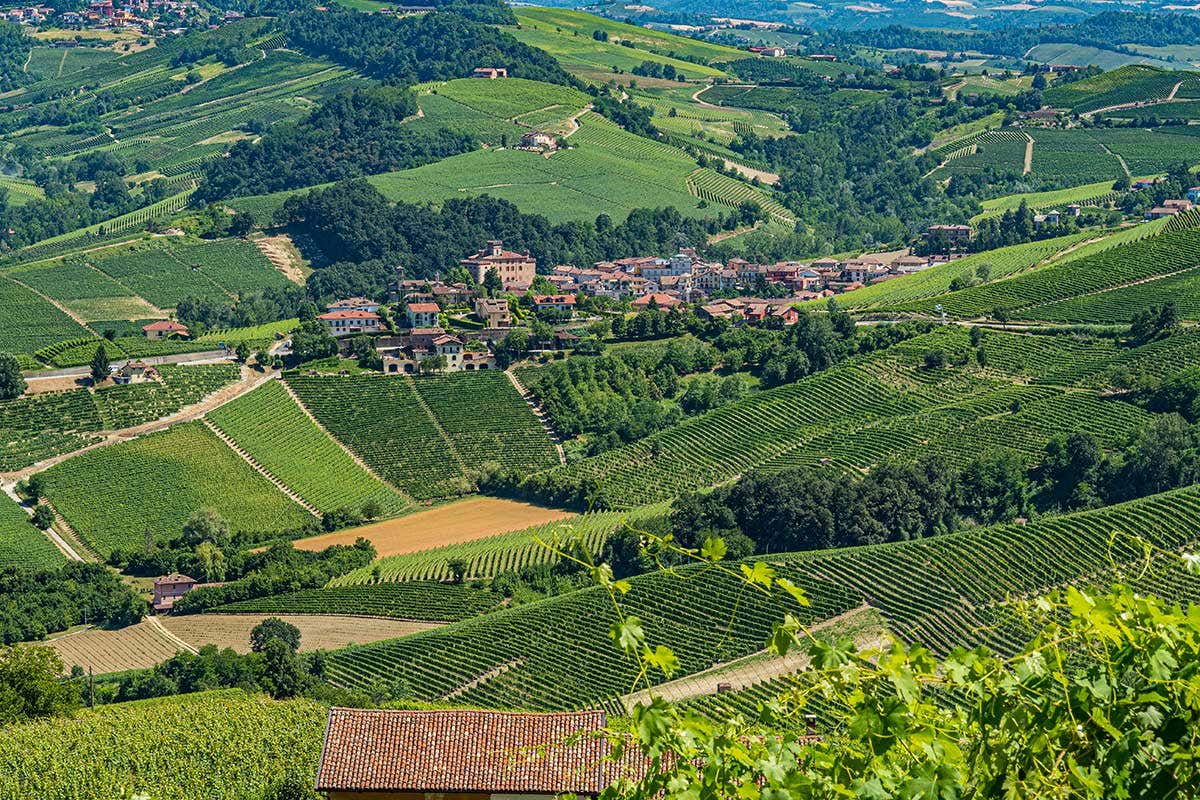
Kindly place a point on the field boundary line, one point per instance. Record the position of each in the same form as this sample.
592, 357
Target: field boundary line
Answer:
353, 455
154, 622
66, 532
479, 680
538, 412
74, 317
412, 386
1028, 154
1108, 289
260, 469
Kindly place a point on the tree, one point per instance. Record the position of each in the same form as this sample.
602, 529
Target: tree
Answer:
458, 569
242, 352
274, 628
433, 364
43, 517
206, 525
100, 365
12, 384
283, 673
492, 283
212, 561
311, 340
264, 358
30, 685
241, 224
1039, 82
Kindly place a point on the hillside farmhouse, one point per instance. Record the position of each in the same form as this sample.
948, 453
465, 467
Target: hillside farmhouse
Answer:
537, 140
354, 304
135, 372
516, 270
169, 588
163, 329
490, 73
467, 755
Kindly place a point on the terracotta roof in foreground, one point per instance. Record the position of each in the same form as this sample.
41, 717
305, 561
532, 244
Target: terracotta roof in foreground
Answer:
465, 751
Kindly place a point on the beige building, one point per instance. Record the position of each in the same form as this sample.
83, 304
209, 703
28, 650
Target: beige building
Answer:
516, 270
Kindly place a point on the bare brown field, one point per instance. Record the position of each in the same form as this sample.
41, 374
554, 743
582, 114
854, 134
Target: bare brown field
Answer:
136, 647
454, 523
317, 631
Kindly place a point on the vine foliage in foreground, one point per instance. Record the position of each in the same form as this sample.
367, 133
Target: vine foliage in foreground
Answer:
1104, 702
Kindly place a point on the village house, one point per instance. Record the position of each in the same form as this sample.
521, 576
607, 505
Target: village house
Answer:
164, 329
537, 140
660, 300
449, 347
354, 304
770, 51
135, 372
371, 754
491, 73
954, 234
861, 270
1074, 210
1158, 212
345, 323
169, 588
554, 302
451, 294
494, 312
1182, 205
516, 270
422, 315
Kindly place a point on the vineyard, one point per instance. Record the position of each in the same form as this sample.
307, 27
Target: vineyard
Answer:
225, 745
942, 592
427, 436
29, 321
510, 98
1115, 267
38, 426
434, 602
486, 558
1132, 84
849, 417
714, 187
272, 429
21, 544
112, 495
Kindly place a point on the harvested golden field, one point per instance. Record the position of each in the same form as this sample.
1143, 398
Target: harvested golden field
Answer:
454, 523
317, 631
136, 647
155, 639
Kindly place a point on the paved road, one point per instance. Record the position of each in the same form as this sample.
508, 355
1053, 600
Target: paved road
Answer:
179, 358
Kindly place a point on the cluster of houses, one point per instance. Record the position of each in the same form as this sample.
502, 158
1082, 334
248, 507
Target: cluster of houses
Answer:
732, 290
145, 14
29, 15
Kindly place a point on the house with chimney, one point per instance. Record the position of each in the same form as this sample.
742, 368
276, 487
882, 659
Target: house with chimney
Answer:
169, 588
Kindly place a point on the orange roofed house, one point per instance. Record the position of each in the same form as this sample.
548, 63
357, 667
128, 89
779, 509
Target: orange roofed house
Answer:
164, 328
344, 323
466, 755
516, 270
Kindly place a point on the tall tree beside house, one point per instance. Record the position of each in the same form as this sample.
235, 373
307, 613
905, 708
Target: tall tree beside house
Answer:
492, 283
100, 365
12, 384
311, 340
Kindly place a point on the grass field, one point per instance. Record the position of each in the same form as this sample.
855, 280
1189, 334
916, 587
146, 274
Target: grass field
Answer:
449, 524
21, 544
226, 745
112, 495
269, 425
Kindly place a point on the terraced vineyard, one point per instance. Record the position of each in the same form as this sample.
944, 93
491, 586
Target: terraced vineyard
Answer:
268, 425
434, 602
1132, 84
223, 745
21, 544
424, 436
112, 495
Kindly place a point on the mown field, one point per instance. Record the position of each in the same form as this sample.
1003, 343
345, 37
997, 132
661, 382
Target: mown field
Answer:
224, 745
112, 495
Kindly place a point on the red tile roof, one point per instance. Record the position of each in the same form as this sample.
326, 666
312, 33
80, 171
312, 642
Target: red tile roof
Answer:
554, 299
350, 315
164, 325
465, 751
424, 308
174, 577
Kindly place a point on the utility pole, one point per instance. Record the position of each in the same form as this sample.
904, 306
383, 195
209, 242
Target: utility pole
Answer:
91, 688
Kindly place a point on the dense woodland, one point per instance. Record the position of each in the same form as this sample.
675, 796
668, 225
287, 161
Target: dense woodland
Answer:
14, 49
365, 236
